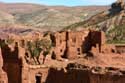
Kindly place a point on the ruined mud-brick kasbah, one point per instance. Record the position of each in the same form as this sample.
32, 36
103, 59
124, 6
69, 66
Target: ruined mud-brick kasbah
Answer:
49, 57
18, 66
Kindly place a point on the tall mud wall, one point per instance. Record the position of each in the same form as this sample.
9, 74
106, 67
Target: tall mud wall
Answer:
74, 76
13, 72
10, 63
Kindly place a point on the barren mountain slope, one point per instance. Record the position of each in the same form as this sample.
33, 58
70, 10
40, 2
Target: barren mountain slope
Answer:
111, 21
6, 18
49, 17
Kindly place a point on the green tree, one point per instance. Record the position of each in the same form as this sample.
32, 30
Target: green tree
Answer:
36, 47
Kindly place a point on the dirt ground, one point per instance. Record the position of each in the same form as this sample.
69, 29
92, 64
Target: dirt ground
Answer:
101, 60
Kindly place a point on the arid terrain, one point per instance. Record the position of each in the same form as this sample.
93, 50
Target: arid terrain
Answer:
59, 44
45, 17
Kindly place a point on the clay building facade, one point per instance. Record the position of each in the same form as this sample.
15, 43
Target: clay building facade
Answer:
69, 44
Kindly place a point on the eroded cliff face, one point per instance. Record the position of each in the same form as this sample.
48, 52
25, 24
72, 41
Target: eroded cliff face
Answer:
76, 73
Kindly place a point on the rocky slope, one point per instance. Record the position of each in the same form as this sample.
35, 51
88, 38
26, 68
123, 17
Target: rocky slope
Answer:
111, 21
46, 17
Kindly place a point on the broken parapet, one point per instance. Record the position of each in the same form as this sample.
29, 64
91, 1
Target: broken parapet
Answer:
96, 69
78, 73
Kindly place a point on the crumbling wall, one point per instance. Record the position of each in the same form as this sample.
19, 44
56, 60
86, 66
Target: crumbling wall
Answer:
120, 48
37, 71
60, 44
94, 41
104, 78
3, 75
97, 38
69, 44
83, 74
74, 43
13, 72
73, 76
108, 48
11, 64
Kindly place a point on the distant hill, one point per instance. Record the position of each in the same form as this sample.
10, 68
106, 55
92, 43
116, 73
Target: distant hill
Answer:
46, 17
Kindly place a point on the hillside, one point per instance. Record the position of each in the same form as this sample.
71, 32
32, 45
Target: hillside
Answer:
6, 18
46, 17
111, 21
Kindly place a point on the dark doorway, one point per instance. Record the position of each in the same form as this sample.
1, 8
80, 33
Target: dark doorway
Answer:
78, 51
38, 78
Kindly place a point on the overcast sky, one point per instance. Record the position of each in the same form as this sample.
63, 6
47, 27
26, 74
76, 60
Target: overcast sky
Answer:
65, 2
